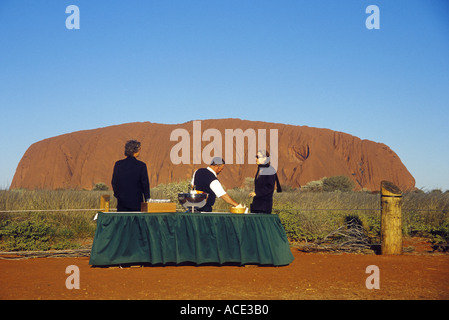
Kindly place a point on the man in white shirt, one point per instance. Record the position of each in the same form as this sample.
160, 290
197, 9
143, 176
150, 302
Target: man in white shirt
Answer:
205, 179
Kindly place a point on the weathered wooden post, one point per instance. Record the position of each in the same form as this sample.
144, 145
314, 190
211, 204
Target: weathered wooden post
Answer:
391, 218
104, 203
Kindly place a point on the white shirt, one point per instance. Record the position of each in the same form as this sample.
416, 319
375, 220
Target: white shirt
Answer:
215, 185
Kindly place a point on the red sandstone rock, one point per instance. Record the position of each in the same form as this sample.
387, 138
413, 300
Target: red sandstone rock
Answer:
78, 160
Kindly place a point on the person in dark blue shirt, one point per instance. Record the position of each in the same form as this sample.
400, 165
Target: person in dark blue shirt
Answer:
130, 179
264, 183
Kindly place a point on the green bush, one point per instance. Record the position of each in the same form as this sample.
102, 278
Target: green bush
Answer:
45, 231
315, 186
440, 237
299, 226
28, 235
100, 186
338, 183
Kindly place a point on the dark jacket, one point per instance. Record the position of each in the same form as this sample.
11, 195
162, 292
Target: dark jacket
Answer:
264, 187
130, 184
202, 181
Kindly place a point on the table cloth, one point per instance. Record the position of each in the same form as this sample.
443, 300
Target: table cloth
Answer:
175, 238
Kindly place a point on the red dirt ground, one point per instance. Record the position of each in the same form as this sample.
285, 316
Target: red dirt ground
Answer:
417, 275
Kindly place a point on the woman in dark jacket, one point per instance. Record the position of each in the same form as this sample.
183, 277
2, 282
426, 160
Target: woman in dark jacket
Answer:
264, 183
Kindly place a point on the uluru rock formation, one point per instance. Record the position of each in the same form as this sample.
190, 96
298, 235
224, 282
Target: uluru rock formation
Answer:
81, 159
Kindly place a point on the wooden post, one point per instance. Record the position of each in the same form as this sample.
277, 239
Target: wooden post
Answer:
104, 203
391, 218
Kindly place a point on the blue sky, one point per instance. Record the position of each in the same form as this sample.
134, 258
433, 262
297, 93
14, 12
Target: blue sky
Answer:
296, 62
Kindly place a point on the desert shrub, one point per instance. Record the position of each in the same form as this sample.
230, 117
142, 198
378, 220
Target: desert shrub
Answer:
27, 235
100, 186
45, 231
293, 225
304, 226
354, 218
314, 186
338, 183
440, 237
248, 184
23, 229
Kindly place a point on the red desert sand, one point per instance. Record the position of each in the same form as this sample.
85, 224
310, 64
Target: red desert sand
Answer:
416, 275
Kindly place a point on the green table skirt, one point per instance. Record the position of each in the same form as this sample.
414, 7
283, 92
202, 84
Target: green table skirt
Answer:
174, 238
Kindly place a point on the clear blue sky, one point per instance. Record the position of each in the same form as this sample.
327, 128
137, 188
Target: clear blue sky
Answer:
297, 62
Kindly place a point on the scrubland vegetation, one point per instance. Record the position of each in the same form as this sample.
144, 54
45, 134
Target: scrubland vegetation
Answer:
63, 219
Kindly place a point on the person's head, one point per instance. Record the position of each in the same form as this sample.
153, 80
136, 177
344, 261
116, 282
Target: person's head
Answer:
262, 157
217, 164
132, 148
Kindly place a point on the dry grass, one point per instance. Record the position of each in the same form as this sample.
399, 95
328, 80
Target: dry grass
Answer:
305, 215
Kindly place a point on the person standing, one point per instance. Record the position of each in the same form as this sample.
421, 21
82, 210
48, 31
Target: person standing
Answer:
205, 179
264, 182
130, 179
